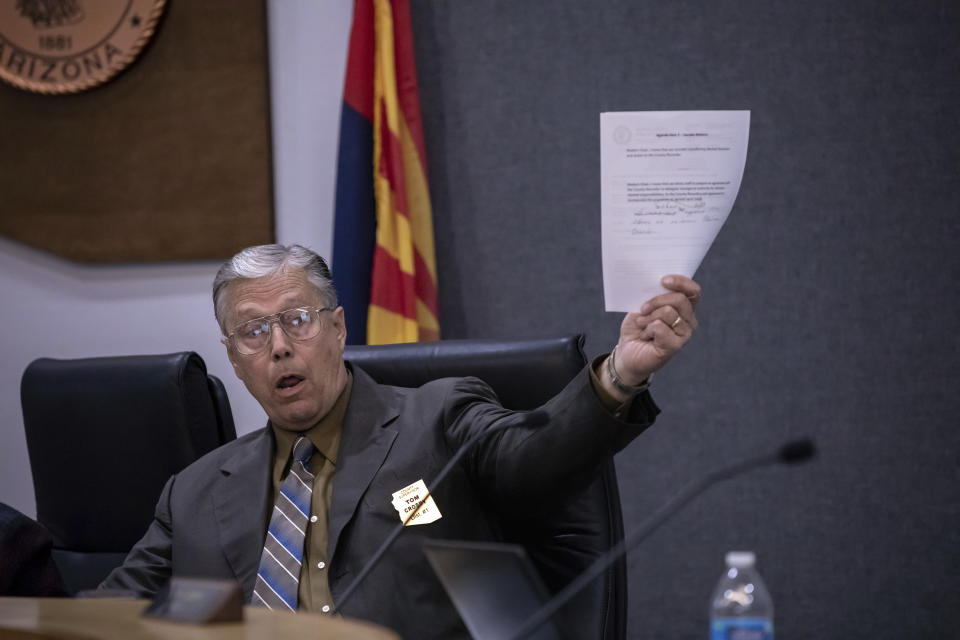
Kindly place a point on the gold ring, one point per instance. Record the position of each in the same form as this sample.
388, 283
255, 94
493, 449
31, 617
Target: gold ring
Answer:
676, 322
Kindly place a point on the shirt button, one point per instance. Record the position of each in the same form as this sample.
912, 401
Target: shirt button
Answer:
313, 518
325, 608
321, 565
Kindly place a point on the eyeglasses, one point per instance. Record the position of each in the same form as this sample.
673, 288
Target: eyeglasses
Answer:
253, 336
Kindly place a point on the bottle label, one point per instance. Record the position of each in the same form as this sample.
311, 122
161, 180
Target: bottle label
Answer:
741, 629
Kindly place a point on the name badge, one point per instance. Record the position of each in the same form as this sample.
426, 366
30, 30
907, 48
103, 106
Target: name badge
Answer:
407, 499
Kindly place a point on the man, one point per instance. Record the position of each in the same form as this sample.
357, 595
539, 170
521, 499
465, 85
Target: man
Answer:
26, 566
294, 511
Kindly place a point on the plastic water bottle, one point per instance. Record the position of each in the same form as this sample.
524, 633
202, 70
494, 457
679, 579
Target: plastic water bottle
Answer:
741, 608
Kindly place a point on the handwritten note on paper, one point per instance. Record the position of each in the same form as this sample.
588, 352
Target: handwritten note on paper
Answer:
668, 182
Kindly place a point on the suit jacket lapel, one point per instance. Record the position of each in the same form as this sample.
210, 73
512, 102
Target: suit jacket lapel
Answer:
240, 507
364, 444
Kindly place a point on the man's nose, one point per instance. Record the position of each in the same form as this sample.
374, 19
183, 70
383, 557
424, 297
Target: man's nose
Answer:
280, 344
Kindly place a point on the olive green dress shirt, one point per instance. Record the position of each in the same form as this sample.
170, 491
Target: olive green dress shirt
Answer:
314, 590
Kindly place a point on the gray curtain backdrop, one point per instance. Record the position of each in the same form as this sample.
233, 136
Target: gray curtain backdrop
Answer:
830, 297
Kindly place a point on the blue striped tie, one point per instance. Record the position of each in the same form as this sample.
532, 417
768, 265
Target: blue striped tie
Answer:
279, 572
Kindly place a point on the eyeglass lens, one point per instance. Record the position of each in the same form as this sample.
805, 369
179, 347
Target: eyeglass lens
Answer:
300, 324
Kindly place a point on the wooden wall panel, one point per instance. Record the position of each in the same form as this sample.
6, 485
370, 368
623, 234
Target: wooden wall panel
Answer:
169, 161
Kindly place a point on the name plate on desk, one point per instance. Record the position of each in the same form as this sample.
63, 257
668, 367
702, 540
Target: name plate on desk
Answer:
198, 601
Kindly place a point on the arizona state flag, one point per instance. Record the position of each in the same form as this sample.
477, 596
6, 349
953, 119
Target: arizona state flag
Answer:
383, 256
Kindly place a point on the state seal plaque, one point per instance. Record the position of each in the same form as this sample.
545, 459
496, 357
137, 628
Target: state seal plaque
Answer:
66, 46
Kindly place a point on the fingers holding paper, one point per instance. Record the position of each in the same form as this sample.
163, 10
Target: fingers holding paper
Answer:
675, 309
651, 337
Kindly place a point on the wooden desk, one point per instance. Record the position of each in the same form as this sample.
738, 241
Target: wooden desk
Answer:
110, 619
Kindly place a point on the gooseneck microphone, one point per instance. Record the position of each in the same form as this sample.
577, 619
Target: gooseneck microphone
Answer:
536, 418
794, 452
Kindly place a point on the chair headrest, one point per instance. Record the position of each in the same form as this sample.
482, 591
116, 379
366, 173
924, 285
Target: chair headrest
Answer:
105, 434
523, 373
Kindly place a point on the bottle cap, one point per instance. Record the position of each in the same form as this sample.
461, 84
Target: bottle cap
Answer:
741, 559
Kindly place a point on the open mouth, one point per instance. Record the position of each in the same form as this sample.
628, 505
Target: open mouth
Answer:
289, 382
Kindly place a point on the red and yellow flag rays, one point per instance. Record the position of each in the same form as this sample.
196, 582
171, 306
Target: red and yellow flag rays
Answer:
403, 294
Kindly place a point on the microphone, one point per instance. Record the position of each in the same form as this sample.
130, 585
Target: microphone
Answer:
795, 452
536, 418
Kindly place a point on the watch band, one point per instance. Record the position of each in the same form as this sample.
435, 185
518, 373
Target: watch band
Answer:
626, 389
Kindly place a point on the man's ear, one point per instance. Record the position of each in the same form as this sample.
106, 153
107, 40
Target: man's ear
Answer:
340, 325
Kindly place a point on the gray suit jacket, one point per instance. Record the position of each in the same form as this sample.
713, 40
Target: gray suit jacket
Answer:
211, 518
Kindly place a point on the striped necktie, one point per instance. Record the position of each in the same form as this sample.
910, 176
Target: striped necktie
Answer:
279, 573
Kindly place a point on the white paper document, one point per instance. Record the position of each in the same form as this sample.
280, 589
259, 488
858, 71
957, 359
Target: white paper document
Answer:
668, 182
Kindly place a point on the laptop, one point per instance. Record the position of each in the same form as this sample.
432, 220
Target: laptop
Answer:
493, 586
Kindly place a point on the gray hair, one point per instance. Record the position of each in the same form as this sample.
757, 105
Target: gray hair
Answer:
266, 260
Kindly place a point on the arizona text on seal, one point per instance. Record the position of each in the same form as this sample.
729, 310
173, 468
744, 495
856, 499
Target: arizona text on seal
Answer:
65, 46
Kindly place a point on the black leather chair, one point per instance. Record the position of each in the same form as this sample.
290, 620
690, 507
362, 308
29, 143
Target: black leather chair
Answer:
525, 374
104, 435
